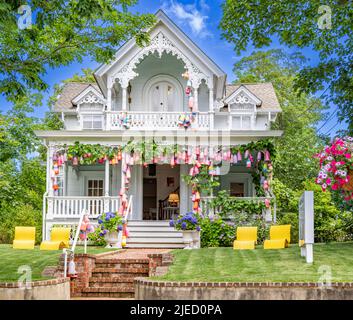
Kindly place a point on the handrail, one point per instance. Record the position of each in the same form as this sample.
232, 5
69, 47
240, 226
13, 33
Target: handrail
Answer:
44, 218
73, 247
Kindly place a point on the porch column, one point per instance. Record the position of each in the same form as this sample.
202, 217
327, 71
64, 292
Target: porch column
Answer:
196, 97
211, 109
184, 190
109, 106
124, 99
49, 206
106, 186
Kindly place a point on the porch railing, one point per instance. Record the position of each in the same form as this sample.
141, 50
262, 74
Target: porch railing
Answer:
66, 207
207, 210
155, 120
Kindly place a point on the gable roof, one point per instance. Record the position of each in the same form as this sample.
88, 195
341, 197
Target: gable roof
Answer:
69, 92
161, 17
264, 91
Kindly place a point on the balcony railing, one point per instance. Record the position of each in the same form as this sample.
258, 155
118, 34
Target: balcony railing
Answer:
141, 120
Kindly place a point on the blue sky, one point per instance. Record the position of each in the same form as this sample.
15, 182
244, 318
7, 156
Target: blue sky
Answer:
199, 19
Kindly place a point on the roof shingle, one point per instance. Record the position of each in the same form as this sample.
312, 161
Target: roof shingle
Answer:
69, 91
264, 91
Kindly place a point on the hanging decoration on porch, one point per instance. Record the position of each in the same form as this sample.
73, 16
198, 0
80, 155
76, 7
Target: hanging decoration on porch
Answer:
256, 155
336, 169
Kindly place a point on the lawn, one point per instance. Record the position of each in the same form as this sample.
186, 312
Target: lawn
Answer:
11, 259
226, 264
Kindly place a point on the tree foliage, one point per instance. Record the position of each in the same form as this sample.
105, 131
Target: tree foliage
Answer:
294, 160
326, 29
62, 32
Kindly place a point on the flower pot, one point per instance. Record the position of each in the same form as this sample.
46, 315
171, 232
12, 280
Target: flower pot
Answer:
349, 185
191, 239
112, 238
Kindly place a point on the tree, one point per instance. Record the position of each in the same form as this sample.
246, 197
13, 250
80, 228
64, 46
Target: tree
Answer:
62, 31
327, 29
294, 161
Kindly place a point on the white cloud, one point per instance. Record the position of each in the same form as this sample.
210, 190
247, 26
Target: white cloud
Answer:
189, 14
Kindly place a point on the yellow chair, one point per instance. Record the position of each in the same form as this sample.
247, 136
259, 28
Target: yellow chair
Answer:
246, 238
24, 238
279, 237
59, 239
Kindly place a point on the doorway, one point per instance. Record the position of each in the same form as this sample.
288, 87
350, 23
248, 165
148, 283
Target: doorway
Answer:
149, 198
161, 192
163, 94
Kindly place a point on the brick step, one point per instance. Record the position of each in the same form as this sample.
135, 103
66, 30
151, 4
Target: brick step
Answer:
104, 295
109, 290
122, 286
122, 260
120, 270
113, 279
119, 265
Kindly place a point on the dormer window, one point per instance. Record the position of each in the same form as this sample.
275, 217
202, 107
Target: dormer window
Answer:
90, 108
242, 100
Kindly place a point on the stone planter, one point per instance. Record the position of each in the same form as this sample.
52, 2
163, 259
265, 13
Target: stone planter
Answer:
191, 239
196, 240
112, 238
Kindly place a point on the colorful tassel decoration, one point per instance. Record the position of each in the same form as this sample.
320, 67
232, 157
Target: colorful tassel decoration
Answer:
239, 156
267, 155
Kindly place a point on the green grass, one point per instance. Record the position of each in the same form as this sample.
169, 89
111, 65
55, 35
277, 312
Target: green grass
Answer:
226, 264
11, 259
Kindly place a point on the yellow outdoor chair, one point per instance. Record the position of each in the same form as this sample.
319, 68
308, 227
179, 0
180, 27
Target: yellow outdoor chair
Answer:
246, 238
279, 237
59, 239
24, 238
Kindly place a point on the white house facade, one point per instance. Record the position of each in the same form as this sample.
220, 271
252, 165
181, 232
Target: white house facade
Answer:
168, 92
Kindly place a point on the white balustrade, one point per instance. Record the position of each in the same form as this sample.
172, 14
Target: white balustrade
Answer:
156, 120
71, 207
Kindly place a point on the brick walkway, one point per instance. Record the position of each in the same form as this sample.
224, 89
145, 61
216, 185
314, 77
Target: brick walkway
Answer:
135, 253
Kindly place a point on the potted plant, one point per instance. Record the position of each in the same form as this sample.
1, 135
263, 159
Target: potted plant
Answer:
110, 225
189, 225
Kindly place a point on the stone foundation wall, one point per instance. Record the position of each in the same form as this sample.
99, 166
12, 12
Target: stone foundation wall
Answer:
56, 289
146, 289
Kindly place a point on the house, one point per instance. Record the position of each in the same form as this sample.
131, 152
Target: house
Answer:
168, 91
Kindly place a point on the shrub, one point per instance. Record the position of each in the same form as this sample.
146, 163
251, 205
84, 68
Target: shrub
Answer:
292, 219
22, 215
227, 206
216, 233
96, 239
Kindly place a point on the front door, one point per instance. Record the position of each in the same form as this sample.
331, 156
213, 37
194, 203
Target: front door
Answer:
163, 97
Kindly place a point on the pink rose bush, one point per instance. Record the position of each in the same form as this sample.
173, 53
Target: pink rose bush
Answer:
335, 163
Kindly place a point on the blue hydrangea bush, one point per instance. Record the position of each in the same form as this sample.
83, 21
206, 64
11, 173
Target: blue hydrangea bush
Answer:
110, 221
188, 221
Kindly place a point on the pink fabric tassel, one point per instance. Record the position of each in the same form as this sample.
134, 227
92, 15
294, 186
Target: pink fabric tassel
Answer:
267, 156
239, 156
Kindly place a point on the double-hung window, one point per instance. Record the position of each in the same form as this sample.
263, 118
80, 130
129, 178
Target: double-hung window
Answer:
92, 121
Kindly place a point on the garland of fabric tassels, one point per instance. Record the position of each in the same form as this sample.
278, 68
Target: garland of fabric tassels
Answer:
127, 162
58, 160
196, 156
185, 120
